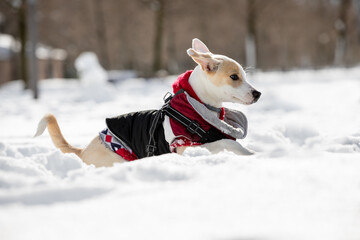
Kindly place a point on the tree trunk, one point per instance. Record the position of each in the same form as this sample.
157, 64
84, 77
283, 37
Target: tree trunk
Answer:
159, 29
250, 41
23, 36
101, 33
31, 48
172, 63
357, 7
341, 28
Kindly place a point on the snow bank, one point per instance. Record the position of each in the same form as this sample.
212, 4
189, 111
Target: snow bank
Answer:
303, 182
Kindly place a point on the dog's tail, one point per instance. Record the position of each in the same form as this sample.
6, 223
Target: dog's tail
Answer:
58, 139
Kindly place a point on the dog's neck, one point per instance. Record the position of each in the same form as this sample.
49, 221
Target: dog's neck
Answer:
200, 84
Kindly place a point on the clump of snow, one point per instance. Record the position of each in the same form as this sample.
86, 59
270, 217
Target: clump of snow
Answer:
89, 69
43, 52
6, 41
93, 79
7, 46
194, 152
302, 183
58, 54
46, 52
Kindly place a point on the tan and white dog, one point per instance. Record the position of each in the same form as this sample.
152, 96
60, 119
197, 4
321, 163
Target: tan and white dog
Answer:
216, 79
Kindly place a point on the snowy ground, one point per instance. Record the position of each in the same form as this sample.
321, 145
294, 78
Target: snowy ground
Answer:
303, 183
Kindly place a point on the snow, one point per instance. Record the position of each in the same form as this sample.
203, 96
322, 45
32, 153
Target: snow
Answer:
302, 183
45, 52
7, 46
6, 41
89, 69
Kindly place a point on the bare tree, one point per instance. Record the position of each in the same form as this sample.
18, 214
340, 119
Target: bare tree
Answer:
159, 7
23, 37
341, 29
101, 33
280, 33
172, 64
357, 7
31, 47
250, 41
20, 7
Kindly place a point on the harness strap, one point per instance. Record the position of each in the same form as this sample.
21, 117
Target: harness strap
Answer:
191, 125
151, 147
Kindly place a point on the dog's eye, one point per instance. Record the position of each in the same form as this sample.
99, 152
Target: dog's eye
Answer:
234, 77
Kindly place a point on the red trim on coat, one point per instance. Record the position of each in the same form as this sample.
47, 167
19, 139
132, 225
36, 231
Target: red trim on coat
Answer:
182, 82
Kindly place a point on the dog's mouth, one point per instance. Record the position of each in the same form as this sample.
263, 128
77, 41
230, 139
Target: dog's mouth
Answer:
255, 100
241, 101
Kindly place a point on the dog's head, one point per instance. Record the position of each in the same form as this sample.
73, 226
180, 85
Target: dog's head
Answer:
226, 78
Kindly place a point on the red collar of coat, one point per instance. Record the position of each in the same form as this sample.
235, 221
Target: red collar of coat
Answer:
182, 82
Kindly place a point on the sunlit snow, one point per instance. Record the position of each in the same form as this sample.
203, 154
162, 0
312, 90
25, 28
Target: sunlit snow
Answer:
302, 183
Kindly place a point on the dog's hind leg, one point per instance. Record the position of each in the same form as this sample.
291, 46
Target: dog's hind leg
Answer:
98, 154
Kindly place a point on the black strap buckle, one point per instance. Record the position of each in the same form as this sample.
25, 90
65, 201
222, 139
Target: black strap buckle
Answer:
150, 149
193, 127
167, 97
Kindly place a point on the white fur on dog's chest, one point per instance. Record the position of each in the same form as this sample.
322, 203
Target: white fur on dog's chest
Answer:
168, 132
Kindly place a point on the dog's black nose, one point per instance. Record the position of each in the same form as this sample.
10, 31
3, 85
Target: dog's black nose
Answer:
256, 95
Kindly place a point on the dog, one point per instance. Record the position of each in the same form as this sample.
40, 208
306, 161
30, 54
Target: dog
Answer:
194, 116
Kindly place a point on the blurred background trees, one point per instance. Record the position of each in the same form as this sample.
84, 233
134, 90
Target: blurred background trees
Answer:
153, 35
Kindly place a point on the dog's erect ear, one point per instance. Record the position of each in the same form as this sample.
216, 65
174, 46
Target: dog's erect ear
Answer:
199, 46
205, 60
